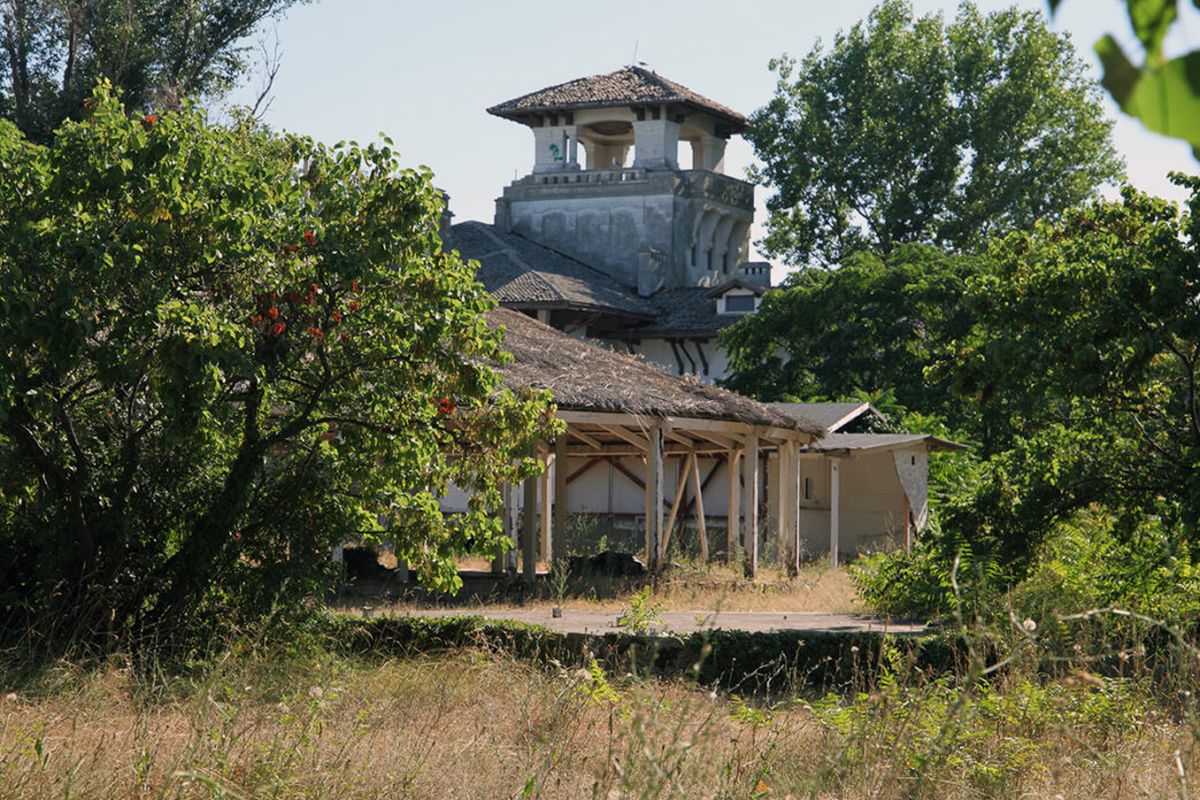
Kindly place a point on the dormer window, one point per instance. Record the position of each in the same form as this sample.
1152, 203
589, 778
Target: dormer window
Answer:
740, 303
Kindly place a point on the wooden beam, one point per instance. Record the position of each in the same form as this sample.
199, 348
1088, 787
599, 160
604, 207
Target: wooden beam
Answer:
654, 483
679, 437
579, 472
725, 442
624, 470
734, 517
750, 484
622, 450
595, 444
680, 488
621, 433
700, 507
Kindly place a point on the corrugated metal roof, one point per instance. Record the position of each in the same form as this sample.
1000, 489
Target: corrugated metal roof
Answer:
881, 441
831, 416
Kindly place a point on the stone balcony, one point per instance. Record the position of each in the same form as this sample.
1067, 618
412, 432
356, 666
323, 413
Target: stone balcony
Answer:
691, 183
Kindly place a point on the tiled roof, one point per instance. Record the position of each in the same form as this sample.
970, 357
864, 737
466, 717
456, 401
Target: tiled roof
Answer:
522, 274
628, 85
687, 311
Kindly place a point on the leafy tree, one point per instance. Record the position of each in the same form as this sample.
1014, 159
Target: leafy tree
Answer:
1087, 342
155, 51
873, 325
221, 350
911, 130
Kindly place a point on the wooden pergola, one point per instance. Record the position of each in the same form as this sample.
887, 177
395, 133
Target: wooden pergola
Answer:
616, 407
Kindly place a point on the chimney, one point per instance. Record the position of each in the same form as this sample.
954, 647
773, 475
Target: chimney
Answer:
447, 215
757, 272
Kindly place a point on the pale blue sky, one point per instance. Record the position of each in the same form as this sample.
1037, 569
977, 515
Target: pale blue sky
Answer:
424, 72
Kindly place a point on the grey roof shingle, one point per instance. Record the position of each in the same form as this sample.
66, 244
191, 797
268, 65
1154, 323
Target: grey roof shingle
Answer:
628, 85
522, 274
687, 311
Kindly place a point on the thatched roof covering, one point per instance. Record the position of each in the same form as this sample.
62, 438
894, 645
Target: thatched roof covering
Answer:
587, 377
627, 86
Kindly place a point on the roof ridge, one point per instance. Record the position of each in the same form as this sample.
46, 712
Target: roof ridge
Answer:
583, 264
529, 271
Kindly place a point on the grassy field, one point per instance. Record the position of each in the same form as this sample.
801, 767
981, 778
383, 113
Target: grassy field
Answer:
476, 724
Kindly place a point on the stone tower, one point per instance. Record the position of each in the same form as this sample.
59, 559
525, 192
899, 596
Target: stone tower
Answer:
606, 187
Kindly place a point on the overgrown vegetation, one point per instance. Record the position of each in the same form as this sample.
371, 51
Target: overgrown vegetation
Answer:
221, 350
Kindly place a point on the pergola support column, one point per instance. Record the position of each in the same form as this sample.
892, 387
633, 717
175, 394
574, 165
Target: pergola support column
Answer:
733, 539
750, 479
544, 513
834, 504
528, 530
654, 495
699, 486
560, 490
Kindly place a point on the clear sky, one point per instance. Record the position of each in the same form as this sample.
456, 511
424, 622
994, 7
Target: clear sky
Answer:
424, 72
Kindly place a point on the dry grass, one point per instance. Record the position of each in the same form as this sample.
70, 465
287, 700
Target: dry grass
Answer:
478, 725
815, 589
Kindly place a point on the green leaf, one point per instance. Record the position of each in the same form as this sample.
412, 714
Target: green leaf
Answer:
1166, 99
1151, 19
1120, 74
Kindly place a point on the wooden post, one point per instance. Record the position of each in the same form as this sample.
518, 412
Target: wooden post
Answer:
699, 507
734, 512
528, 530
779, 504
654, 495
544, 516
680, 488
834, 501
791, 499
750, 477
560, 490
908, 526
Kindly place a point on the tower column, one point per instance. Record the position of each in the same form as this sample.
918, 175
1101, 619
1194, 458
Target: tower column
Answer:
656, 142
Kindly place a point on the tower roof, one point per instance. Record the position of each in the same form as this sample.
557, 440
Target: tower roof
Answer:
627, 86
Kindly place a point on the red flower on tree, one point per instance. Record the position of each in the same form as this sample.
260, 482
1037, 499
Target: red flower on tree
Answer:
354, 285
149, 121
345, 338
337, 316
273, 312
278, 328
354, 305
316, 333
446, 407
310, 238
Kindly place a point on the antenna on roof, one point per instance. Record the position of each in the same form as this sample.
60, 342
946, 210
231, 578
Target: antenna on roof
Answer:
634, 60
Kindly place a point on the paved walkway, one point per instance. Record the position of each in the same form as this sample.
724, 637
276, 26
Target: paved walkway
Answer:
685, 622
